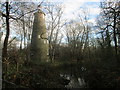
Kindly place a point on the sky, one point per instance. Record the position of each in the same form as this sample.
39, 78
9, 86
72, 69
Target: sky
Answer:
73, 6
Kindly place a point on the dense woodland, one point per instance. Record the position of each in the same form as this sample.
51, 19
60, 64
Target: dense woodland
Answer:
76, 47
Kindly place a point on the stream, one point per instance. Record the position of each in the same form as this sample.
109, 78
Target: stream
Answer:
74, 81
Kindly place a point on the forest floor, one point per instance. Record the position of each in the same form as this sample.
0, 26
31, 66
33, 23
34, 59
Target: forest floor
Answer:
47, 75
44, 75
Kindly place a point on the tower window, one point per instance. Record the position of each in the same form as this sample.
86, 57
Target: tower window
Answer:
38, 36
44, 41
43, 16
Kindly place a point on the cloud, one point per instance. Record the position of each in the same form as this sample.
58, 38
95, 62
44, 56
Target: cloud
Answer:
71, 0
94, 11
73, 6
70, 8
92, 21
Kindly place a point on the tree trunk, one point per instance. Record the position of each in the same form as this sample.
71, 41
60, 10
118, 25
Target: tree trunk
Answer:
24, 29
114, 32
4, 53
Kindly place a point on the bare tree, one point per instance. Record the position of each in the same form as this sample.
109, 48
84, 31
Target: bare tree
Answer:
110, 12
54, 23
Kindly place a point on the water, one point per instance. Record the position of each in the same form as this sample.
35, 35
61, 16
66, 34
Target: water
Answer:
74, 82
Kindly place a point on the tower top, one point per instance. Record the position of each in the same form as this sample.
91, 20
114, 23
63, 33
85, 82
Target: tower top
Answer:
39, 9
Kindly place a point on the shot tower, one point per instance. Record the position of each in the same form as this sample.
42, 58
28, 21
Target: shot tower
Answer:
39, 45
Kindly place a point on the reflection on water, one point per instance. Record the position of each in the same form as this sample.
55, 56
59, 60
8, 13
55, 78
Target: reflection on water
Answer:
74, 82
81, 82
